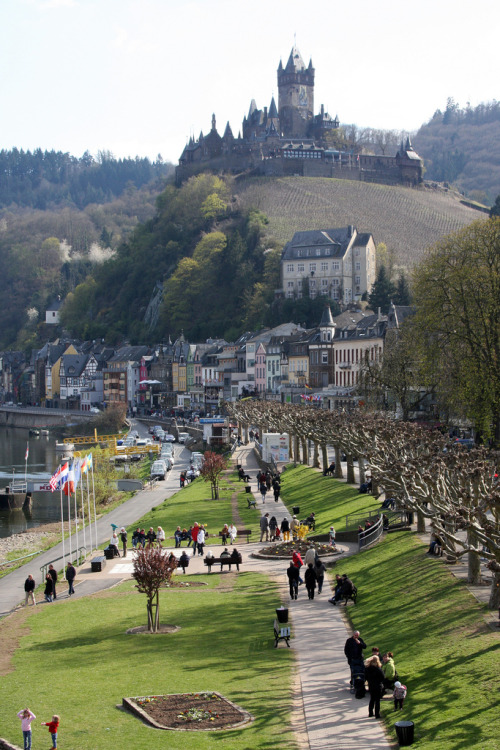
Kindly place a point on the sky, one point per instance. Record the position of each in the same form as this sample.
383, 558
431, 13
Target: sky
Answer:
138, 77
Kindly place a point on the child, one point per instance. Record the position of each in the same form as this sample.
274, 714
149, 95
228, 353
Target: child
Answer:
53, 726
26, 717
332, 536
399, 695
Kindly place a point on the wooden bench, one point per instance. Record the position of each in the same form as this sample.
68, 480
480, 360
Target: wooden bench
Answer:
209, 561
251, 503
244, 532
97, 564
281, 633
352, 597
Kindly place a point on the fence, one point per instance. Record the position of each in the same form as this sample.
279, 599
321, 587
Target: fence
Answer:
371, 535
80, 554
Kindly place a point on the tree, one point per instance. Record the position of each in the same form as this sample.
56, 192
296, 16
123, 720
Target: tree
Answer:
495, 209
402, 295
152, 568
382, 292
457, 296
213, 466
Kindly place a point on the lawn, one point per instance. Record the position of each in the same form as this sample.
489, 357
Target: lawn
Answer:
410, 604
328, 498
77, 661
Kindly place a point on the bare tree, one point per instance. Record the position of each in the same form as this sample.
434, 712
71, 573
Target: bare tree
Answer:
152, 568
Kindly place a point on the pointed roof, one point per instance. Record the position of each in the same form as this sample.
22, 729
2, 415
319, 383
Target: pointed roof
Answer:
327, 318
273, 111
295, 62
253, 107
228, 133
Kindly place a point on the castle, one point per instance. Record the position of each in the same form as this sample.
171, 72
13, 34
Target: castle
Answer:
289, 139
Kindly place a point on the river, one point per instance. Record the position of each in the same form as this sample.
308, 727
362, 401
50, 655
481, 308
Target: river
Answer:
42, 462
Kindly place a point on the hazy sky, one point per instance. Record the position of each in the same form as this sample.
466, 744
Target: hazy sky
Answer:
137, 77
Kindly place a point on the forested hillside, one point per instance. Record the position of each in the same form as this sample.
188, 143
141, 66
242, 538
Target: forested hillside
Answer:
462, 146
49, 179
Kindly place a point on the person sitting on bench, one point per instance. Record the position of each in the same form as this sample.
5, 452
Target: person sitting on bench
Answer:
242, 475
330, 471
225, 555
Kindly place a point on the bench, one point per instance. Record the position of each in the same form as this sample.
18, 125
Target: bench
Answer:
353, 596
209, 561
244, 532
251, 503
97, 564
281, 633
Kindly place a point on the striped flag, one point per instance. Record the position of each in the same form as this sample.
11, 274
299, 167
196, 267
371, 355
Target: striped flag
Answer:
59, 477
69, 485
83, 465
27, 451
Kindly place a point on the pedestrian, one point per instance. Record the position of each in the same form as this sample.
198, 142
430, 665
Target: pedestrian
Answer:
26, 717
293, 580
233, 532
264, 527
298, 562
331, 535
53, 727
285, 529
53, 575
124, 537
399, 695
273, 525
375, 679
70, 577
194, 537
276, 488
178, 536
310, 578
263, 491
294, 527
49, 588
311, 555
201, 539
320, 570
353, 650
29, 590
184, 561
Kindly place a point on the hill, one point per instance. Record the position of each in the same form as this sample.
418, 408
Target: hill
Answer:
462, 146
406, 220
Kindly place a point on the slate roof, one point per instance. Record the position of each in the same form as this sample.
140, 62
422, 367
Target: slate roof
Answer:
330, 243
74, 364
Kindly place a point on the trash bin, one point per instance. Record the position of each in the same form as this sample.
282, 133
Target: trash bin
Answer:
405, 732
296, 509
248, 489
282, 614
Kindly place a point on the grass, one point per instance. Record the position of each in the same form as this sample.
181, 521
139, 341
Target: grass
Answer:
328, 498
81, 663
445, 654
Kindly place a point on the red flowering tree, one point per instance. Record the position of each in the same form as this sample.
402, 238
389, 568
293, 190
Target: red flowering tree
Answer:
152, 568
213, 466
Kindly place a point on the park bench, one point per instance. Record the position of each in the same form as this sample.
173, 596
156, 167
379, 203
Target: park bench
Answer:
281, 633
353, 596
244, 532
97, 564
251, 503
209, 561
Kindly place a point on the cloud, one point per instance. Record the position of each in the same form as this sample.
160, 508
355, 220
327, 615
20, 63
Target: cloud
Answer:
55, 4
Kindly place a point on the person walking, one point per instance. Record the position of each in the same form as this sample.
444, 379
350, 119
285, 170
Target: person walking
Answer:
293, 580
310, 579
184, 561
264, 527
194, 537
273, 525
70, 577
298, 562
201, 539
123, 538
263, 491
285, 529
320, 570
399, 695
375, 679
26, 717
294, 527
353, 651
53, 575
29, 590
49, 588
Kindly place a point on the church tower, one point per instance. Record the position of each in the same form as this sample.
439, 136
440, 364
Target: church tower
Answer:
295, 96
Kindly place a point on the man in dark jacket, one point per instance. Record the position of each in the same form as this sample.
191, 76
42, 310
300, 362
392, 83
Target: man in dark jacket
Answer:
70, 577
353, 650
29, 589
293, 580
264, 526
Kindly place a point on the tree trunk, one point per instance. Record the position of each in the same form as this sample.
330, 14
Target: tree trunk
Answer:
324, 457
305, 453
362, 472
420, 522
474, 563
245, 434
316, 456
494, 602
338, 466
296, 450
351, 479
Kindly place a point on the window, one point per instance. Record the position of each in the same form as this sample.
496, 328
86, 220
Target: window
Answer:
324, 282
289, 268
324, 265
312, 266
356, 252
312, 283
299, 253
324, 358
357, 280
290, 284
318, 251
289, 295
300, 267
335, 282
358, 266
336, 265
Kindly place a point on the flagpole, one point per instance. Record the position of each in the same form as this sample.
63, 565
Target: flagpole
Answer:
95, 512
88, 506
26, 461
62, 531
83, 513
68, 494
76, 528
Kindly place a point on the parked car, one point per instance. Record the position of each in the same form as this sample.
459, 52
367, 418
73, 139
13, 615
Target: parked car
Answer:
169, 438
183, 436
158, 469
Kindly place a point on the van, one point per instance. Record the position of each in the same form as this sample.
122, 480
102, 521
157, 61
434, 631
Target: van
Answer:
183, 436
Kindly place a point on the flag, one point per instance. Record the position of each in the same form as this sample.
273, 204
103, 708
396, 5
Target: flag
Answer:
59, 477
27, 451
83, 465
77, 471
69, 485
89, 461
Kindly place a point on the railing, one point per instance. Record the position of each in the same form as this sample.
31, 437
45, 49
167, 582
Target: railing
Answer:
18, 486
354, 520
371, 535
81, 552
16, 559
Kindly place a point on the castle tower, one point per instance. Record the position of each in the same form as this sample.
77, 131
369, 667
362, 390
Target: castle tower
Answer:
295, 96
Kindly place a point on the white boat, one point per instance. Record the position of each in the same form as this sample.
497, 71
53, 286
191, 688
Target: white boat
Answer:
63, 447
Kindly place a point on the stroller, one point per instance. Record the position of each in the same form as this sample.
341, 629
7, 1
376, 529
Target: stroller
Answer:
358, 679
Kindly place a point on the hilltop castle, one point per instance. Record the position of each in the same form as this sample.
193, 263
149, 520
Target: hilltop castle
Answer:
289, 139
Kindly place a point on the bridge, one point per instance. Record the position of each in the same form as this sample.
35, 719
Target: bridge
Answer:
38, 416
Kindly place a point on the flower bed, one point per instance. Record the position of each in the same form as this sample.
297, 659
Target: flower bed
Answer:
284, 549
188, 711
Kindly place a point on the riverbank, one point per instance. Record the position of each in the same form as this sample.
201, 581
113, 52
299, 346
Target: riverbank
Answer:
31, 540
